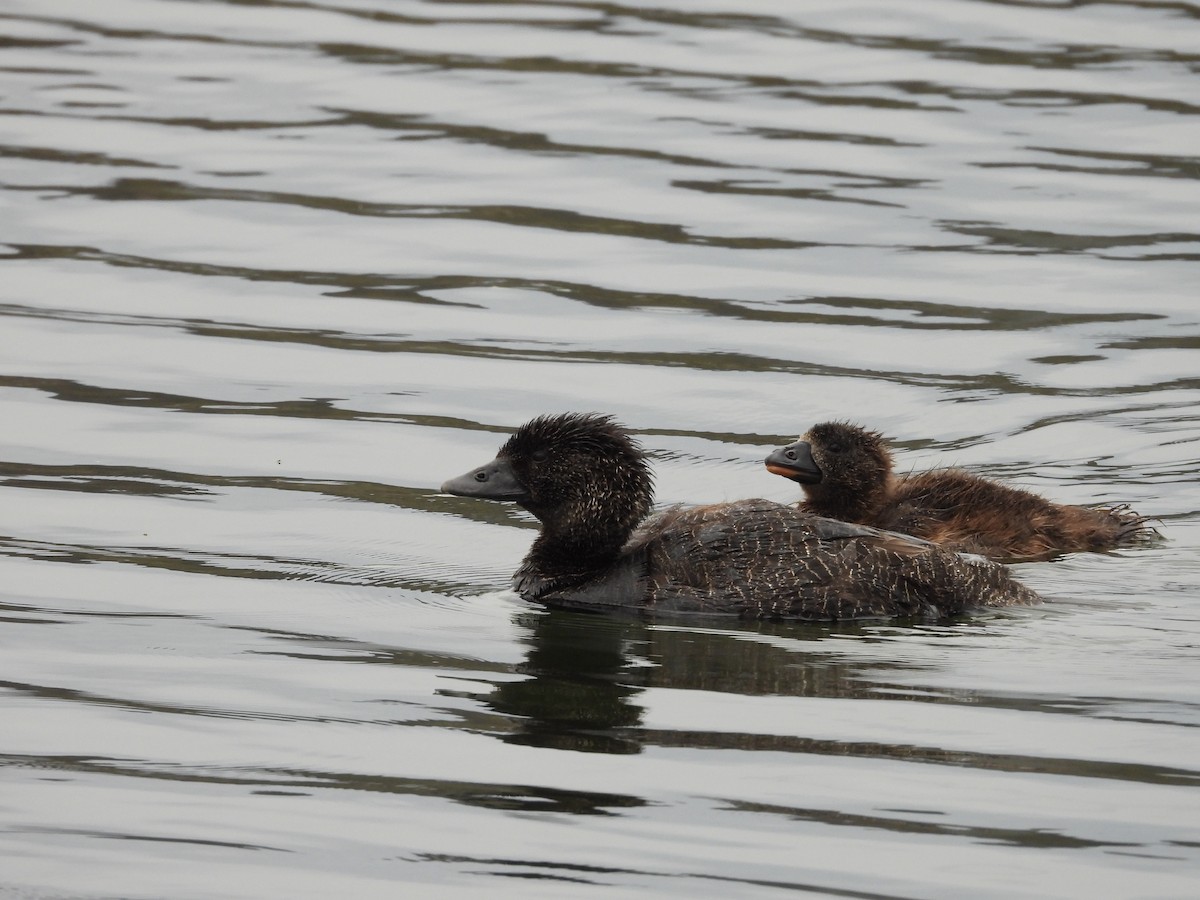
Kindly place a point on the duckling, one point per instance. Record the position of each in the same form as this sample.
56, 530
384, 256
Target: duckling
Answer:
590, 486
846, 473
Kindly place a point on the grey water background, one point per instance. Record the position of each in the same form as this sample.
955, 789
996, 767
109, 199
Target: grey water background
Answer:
271, 271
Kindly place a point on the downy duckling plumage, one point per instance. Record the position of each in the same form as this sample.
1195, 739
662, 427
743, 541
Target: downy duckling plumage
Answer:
590, 486
846, 472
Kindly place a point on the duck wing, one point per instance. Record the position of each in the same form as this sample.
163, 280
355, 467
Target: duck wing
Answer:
759, 559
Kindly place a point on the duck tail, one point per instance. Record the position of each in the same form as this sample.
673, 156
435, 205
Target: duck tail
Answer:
1132, 527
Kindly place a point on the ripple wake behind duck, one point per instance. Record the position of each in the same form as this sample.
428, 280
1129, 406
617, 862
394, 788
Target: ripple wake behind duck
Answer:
590, 486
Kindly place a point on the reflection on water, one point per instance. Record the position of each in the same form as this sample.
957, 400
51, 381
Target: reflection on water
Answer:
270, 272
585, 676
574, 697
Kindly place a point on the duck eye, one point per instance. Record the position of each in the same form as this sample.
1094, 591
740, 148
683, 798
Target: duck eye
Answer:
836, 448
539, 455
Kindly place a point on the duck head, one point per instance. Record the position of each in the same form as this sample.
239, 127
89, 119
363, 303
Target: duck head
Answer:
581, 474
845, 470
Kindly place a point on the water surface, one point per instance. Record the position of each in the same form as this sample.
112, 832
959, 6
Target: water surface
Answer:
270, 272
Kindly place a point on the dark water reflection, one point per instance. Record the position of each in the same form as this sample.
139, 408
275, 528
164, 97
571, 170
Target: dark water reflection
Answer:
585, 675
271, 271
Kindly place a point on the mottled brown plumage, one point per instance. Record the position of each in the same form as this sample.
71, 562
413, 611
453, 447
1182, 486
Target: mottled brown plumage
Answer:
590, 486
846, 473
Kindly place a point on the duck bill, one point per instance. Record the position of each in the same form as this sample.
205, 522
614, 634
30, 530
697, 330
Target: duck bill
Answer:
795, 462
493, 481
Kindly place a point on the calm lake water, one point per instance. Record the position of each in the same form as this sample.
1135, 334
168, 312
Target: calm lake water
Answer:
271, 271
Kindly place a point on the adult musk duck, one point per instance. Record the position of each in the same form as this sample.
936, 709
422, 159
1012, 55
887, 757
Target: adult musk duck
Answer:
846, 473
590, 486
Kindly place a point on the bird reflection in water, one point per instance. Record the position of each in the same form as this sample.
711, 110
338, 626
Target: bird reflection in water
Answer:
585, 673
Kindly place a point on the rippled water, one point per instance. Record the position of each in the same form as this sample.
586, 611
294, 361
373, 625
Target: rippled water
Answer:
271, 271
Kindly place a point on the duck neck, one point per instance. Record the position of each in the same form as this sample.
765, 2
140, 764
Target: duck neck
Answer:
861, 506
567, 554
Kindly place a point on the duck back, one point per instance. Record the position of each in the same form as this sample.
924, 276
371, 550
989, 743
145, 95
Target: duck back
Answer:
757, 559
974, 514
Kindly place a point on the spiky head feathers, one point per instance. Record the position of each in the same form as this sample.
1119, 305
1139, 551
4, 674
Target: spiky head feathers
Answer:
856, 470
581, 468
